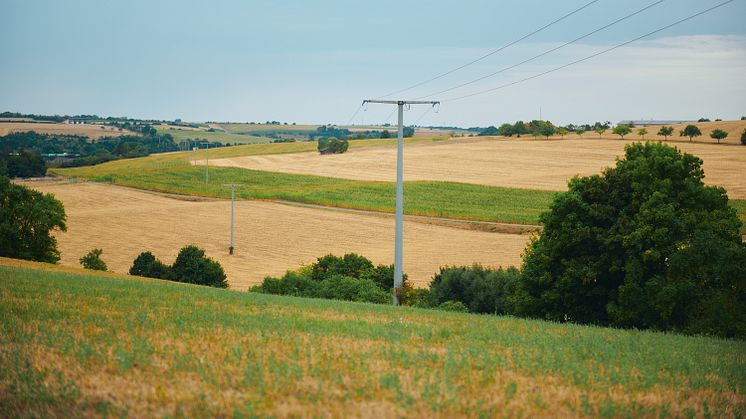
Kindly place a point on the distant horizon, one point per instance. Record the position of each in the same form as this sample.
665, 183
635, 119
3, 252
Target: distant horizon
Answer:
290, 123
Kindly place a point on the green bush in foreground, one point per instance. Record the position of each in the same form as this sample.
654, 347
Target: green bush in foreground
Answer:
480, 290
194, 267
645, 245
27, 219
350, 277
191, 266
147, 265
92, 260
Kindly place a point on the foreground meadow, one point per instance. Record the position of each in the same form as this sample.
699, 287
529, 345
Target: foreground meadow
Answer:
76, 343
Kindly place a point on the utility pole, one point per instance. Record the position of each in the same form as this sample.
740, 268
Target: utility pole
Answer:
398, 240
233, 190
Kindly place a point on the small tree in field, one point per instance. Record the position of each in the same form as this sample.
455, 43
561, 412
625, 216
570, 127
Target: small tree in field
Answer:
580, 132
665, 131
622, 130
690, 131
92, 260
194, 267
718, 135
562, 132
641, 132
600, 131
743, 137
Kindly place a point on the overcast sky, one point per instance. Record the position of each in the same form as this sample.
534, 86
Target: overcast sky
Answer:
314, 61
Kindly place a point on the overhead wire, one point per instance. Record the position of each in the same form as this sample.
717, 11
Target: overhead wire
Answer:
490, 53
545, 52
678, 22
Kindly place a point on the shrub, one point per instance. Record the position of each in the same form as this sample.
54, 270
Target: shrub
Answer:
339, 287
194, 267
350, 264
481, 290
292, 283
743, 137
645, 244
146, 264
332, 145
27, 219
92, 260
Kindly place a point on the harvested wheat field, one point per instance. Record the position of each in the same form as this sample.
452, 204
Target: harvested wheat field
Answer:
520, 163
91, 131
270, 238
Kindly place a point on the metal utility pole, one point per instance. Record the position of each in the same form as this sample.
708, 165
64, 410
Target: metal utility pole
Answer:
233, 194
398, 241
207, 162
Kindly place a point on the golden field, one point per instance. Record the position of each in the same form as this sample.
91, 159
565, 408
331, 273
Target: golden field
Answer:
520, 163
270, 238
91, 131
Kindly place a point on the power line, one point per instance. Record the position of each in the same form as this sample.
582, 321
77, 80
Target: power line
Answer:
592, 55
548, 51
490, 53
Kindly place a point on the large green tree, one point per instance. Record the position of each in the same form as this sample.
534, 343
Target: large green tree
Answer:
645, 244
27, 220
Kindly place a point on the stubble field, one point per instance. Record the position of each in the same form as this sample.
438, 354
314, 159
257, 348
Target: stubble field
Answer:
517, 163
270, 238
91, 131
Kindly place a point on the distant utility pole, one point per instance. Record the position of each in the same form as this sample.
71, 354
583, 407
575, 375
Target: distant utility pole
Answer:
398, 246
207, 162
233, 194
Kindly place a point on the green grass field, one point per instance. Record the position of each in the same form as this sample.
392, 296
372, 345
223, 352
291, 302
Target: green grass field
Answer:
223, 137
76, 343
442, 199
170, 173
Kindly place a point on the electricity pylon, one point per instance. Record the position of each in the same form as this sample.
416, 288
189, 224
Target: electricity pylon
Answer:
398, 246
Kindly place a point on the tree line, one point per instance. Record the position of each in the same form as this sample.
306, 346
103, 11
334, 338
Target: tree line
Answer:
28, 154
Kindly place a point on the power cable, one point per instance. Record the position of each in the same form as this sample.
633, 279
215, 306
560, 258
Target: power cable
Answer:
592, 55
546, 52
490, 53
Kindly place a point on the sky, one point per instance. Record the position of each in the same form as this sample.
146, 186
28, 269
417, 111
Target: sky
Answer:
315, 61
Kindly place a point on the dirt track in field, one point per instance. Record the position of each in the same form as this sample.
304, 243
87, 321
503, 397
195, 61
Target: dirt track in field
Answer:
91, 131
270, 237
520, 163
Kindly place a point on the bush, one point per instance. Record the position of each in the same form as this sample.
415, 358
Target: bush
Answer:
743, 137
332, 146
350, 264
339, 287
481, 290
292, 283
92, 260
27, 219
147, 265
194, 267
350, 277
645, 244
